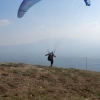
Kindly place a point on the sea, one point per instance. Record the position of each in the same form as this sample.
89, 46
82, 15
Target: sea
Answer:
91, 63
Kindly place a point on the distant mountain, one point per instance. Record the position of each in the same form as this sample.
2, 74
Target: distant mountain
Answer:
64, 47
69, 52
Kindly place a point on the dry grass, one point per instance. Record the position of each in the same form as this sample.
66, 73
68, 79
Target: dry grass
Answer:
34, 82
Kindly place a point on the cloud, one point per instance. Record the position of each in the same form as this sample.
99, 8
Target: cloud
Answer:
4, 22
42, 27
88, 31
91, 27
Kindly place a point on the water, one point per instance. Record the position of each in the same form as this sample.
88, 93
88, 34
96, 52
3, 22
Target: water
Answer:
64, 62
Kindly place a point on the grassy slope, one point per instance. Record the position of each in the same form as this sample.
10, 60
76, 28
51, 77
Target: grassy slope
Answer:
33, 82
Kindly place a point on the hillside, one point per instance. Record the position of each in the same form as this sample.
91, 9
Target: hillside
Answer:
20, 81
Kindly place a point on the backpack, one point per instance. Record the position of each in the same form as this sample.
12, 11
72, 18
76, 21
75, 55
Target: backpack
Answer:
49, 57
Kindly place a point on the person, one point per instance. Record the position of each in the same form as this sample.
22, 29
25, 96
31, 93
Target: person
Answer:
50, 57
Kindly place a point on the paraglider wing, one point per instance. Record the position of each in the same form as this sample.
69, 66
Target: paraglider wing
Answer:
25, 5
87, 2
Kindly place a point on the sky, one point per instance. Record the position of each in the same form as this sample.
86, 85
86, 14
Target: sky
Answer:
52, 19
49, 19
72, 26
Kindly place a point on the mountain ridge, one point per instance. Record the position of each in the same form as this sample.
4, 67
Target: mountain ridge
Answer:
21, 81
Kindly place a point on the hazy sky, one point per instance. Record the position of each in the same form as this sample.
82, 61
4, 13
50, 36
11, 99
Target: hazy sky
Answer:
50, 18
